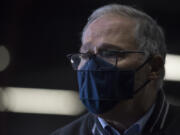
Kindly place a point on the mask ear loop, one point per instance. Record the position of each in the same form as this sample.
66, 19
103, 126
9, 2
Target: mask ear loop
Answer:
137, 69
146, 82
116, 61
140, 88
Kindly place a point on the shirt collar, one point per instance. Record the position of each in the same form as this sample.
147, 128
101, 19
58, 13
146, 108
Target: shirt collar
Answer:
140, 123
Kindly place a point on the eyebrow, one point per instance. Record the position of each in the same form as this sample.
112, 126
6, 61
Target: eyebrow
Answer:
107, 46
104, 46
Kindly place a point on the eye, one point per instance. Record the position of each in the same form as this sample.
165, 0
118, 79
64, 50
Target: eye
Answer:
107, 54
84, 56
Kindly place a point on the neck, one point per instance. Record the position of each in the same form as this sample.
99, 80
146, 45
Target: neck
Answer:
128, 112
122, 119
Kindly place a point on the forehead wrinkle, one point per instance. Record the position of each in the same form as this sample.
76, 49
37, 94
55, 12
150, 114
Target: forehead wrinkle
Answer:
108, 25
113, 29
100, 30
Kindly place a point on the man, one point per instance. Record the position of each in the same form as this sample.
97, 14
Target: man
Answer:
120, 71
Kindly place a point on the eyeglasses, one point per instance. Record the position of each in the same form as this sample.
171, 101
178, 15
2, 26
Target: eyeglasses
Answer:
78, 60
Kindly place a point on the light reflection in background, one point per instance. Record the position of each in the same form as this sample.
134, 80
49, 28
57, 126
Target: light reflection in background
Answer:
172, 67
26, 100
4, 58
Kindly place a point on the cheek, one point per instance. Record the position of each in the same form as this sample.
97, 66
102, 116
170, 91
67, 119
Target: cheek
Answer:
141, 77
129, 62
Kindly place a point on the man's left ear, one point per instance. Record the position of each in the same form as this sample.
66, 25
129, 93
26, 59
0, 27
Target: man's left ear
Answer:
157, 66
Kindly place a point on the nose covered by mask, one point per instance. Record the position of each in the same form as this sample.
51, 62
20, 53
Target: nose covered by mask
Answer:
102, 85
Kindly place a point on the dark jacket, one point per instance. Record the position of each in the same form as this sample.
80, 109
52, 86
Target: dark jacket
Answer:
165, 120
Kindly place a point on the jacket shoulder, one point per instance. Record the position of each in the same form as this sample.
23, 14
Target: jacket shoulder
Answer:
172, 124
173, 114
81, 126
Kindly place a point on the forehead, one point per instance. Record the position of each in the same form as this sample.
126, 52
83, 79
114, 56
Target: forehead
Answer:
110, 29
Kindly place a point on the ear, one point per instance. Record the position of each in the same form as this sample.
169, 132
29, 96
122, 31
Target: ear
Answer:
157, 66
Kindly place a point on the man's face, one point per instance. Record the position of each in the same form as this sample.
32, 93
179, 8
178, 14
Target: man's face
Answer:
113, 32
118, 33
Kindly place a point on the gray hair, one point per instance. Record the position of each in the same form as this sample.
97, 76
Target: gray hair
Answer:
148, 34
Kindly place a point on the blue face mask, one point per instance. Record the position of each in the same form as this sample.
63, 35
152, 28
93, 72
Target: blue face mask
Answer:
102, 85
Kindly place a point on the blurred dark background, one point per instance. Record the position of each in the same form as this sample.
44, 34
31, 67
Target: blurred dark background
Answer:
39, 34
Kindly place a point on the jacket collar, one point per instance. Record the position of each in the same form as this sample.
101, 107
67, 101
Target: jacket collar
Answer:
156, 120
158, 117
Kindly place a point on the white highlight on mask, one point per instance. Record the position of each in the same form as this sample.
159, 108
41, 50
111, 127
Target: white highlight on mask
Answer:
27, 100
172, 67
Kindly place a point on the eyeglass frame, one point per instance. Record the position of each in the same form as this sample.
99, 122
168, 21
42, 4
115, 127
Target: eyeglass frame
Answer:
91, 55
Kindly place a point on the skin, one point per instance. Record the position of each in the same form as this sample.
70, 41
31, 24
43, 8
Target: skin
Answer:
119, 32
